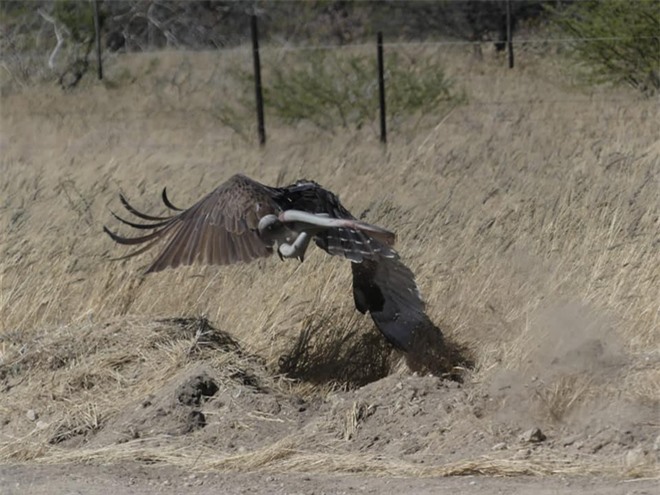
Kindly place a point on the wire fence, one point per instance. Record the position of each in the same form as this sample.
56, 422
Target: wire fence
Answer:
541, 100
403, 44
510, 42
381, 45
274, 45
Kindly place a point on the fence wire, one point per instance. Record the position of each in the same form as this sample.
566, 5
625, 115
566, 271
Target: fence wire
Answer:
369, 45
43, 56
402, 44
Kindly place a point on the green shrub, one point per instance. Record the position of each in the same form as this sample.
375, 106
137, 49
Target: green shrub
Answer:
623, 44
77, 16
332, 88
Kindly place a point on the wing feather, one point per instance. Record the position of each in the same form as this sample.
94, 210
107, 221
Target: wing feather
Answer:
192, 249
167, 201
221, 228
137, 251
170, 256
386, 288
213, 258
142, 226
135, 212
135, 240
355, 245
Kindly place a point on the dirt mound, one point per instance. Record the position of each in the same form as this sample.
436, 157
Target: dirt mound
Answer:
228, 408
215, 399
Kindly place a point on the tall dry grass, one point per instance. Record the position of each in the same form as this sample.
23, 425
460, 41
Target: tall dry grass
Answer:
534, 197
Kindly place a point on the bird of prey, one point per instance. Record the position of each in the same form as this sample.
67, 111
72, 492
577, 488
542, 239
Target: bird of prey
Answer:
242, 220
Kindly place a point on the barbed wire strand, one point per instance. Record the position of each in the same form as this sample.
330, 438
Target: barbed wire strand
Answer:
460, 42
392, 44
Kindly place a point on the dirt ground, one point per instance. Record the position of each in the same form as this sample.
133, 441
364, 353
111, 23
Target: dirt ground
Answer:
529, 215
130, 479
401, 433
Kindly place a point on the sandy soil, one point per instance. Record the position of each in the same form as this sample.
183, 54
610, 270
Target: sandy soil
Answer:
131, 479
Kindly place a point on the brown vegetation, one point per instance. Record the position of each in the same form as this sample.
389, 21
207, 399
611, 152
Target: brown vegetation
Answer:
532, 227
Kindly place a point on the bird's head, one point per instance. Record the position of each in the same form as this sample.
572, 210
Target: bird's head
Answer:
272, 229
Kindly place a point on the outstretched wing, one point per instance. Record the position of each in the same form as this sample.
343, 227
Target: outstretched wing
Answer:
382, 284
386, 288
220, 229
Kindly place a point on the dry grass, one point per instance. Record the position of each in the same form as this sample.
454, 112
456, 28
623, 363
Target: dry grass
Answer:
282, 457
508, 213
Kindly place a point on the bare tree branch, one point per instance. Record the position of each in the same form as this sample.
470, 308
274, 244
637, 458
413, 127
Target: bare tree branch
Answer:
60, 30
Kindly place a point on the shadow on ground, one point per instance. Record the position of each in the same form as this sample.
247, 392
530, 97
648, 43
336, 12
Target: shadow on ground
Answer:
322, 354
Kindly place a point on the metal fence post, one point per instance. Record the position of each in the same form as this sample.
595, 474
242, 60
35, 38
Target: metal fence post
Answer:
97, 34
257, 82
509, 34
381, 89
